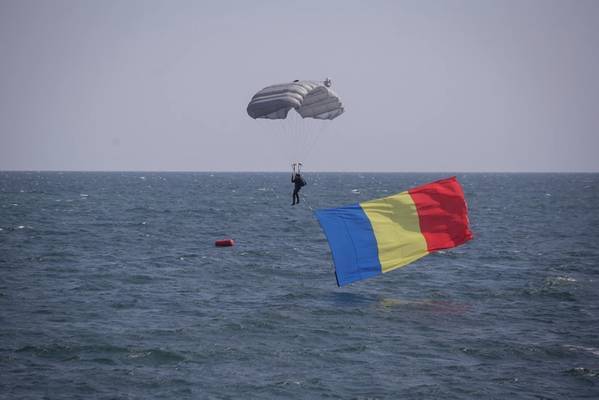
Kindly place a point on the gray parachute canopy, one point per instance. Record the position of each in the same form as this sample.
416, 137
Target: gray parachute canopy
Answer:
311, 99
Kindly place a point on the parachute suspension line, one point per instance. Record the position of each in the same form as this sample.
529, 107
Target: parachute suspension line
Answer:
306, 200
298, 131
301, 137
318, 131
292, 135
297, 136
304, 133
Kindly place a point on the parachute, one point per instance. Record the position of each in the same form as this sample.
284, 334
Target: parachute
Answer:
315, 105
311, 99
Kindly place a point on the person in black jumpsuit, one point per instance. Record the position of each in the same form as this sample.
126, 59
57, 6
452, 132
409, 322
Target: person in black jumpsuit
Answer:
298, 181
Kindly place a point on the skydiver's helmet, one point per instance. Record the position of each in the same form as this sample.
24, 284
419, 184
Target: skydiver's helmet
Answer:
327, 82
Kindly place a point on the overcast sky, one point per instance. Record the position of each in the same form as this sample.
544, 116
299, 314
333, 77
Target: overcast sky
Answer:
427, 85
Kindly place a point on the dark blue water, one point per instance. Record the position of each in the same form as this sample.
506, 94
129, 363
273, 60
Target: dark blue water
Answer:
110, 287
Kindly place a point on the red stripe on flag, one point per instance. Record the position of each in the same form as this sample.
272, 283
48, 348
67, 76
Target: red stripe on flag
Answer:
443, 213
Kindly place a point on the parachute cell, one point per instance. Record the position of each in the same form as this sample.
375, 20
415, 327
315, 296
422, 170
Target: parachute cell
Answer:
311, 99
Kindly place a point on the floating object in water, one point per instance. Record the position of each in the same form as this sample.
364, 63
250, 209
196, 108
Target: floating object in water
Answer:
224, 243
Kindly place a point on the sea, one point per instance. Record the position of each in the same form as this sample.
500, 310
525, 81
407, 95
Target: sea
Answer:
111, 287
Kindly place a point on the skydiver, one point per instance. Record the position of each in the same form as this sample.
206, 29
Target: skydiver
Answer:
298, 181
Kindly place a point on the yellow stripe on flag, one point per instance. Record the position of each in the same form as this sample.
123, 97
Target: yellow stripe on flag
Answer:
396, 226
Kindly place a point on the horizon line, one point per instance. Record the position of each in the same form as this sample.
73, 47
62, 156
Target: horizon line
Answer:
309, 171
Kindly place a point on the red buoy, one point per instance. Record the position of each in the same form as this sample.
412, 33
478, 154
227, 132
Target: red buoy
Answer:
224, 243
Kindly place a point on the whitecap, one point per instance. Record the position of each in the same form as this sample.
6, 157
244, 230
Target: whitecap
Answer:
139, 354
565, 278
591, 350
20, 226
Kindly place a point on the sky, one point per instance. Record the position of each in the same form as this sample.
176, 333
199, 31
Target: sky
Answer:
472, 86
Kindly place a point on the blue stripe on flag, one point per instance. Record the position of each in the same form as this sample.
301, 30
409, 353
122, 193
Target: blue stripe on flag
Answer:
352, 242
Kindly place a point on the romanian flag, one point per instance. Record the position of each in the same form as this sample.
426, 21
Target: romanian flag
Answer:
380, 235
